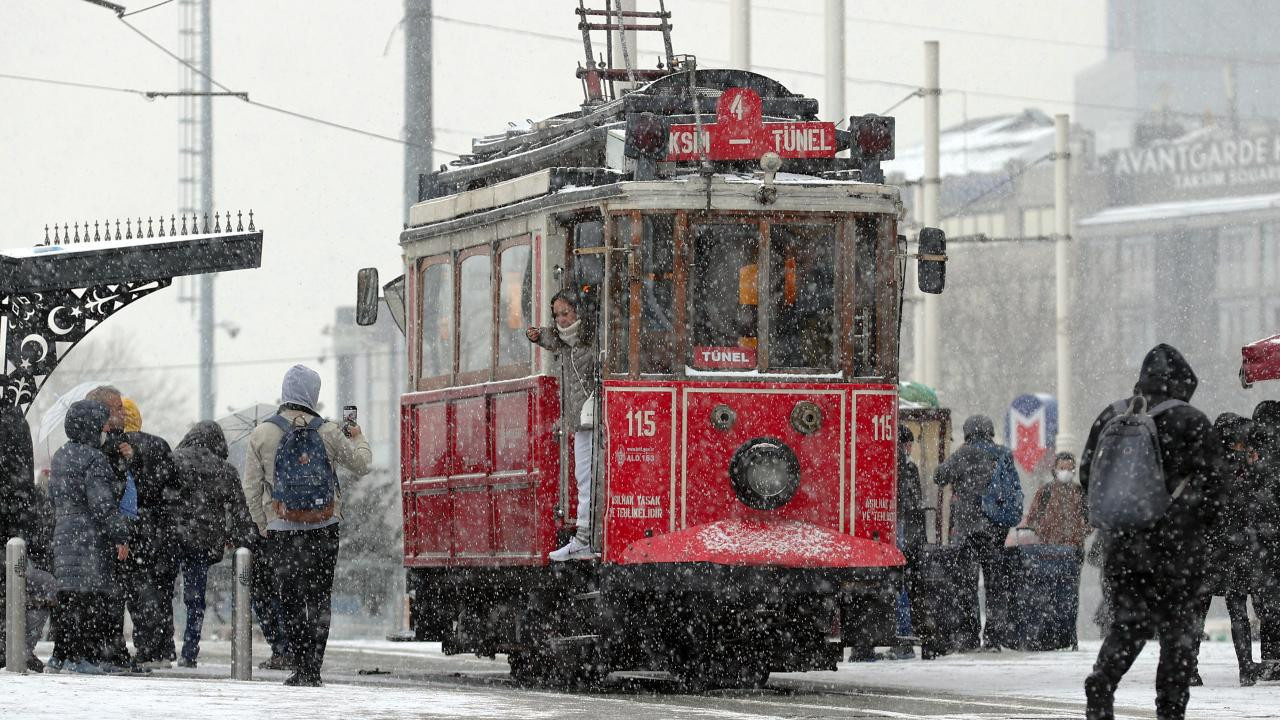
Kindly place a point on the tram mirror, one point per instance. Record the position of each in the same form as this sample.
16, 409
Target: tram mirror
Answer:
393, 294
367, 296
931, 261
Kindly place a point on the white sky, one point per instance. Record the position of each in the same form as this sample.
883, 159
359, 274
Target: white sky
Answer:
329, 201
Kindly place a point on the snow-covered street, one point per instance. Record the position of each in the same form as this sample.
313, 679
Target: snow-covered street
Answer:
423, 683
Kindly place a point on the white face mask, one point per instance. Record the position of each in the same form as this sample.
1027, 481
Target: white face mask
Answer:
1064, 475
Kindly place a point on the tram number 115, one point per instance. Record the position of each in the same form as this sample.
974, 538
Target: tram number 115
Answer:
641, 423
882, 427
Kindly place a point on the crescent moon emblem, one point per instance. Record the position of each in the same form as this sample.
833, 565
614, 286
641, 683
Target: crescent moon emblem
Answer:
39, 342
53, 322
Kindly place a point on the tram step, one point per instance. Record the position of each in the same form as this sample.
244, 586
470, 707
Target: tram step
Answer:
573, 641
593, 595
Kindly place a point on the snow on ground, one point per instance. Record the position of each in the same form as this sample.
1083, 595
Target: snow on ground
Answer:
1059, 676
972, 679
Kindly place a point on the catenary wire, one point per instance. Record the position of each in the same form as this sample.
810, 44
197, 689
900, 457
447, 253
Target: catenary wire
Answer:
149, 7
69, 83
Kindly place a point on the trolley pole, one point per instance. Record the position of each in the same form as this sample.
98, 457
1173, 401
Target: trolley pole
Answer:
927, 319
834, 19
241, 615
1062, 273
624, 46
740, 34
15, 610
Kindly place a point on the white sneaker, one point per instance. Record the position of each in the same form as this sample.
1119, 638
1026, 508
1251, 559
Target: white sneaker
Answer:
575, 549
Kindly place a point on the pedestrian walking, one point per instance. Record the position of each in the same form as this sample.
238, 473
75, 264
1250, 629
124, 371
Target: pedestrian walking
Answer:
20, 518
1266, 596
986, 500
294, 498
209, 516
89, 537
1155, 508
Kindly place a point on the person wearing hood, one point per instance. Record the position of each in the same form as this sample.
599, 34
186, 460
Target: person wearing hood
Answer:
911, 537
571, 340
209, 515
303, 554
969, 472
1157, 574
89, 537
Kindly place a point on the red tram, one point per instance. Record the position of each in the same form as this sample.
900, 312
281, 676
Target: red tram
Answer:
748, 285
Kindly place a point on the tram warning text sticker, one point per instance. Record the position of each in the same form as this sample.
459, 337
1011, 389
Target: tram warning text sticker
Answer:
639, 490
875, 481
740, 134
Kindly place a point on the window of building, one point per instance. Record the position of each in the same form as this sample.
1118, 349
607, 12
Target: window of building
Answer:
1134, 277
1270, 256
1239, 322
515, 278
475, 329
436, 311
1239, 258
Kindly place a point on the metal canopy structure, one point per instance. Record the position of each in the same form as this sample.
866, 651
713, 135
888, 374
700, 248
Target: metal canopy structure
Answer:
52, 295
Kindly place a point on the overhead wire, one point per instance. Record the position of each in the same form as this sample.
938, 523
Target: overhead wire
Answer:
149, 7
69, 83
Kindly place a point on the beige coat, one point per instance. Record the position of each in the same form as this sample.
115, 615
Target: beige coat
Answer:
259, 464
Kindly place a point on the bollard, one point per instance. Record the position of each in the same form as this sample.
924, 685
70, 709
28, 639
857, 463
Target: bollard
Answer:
241, 617
15, 611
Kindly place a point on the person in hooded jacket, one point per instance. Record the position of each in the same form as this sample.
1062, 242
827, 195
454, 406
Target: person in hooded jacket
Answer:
1157, 575
303, 554
969, 471
89, 537
571, 340
209, 516
1266, 594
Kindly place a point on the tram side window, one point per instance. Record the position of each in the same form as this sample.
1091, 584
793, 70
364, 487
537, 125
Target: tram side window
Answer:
436, 311
475, 330
722, 296
514, 311
866, 360
802, 286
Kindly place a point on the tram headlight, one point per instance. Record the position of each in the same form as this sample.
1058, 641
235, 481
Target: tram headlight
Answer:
765, 473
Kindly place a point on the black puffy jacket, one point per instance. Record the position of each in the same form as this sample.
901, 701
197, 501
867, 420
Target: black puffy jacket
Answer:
209, 510
87, 520
1189, 449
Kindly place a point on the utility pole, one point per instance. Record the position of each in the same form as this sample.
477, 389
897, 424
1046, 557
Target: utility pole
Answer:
1062, 271
623, 45
926, 336
196, 175
740, 34
418, 126
834, 19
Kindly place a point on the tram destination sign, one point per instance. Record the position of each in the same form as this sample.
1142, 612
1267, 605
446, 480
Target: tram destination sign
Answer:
739, 133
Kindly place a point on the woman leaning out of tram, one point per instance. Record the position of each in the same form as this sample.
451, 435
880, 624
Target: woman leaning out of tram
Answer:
571, 339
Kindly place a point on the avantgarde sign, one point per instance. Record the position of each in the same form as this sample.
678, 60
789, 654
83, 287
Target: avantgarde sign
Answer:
1206, 163
740, 134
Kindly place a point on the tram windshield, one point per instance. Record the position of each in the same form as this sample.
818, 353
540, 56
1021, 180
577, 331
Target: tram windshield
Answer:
758, 295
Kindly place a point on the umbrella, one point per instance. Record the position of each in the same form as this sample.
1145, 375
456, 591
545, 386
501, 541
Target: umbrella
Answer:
1260, 361
56, 415
239, 425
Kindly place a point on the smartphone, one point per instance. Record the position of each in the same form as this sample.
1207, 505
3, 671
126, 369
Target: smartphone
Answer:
348, 414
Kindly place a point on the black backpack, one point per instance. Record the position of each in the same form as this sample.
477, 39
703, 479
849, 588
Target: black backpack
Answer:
1127, 488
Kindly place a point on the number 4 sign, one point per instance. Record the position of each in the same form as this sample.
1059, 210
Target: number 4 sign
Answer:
740, 134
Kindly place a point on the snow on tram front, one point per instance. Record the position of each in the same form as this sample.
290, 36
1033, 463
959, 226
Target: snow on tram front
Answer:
745, 285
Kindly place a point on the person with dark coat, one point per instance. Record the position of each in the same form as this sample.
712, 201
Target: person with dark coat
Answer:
1266, 595
149, 575
1233, 541
209, 516
969, 471
21, 517
89, 537
1156, 575
911, 536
